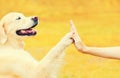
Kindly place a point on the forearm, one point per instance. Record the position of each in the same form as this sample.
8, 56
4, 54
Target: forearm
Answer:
57, 50
107, 52
51, 62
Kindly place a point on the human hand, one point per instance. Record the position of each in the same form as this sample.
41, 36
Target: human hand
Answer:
77, 40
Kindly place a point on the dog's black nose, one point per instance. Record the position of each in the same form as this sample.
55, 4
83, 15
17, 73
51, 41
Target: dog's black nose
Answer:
35, 19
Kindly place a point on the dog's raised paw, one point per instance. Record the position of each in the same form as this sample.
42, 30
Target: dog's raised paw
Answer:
67, 40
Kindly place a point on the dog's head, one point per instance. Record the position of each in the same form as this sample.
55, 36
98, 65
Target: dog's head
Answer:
17, 25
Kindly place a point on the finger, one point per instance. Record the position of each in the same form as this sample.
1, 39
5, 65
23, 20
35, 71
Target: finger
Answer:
73, 29
76, 38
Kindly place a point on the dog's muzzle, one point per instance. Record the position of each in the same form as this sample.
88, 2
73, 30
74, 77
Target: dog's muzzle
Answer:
28, 31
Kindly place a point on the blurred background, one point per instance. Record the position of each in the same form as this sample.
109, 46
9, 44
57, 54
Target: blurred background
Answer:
98, 24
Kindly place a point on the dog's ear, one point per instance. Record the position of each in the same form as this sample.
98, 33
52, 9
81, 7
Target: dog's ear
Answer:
3, 36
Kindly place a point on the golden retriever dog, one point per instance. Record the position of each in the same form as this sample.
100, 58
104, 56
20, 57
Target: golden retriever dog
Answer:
15, 62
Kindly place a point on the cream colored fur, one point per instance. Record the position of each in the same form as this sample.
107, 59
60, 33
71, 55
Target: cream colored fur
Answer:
15, 62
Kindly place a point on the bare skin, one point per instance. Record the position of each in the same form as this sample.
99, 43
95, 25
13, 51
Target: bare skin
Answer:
106, 52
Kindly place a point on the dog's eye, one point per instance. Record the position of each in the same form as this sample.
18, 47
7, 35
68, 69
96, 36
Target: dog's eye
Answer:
18, 18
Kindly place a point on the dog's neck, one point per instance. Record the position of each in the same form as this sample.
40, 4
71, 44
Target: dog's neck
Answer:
14, 43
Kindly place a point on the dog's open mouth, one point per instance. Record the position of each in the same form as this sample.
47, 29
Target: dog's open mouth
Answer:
27, 32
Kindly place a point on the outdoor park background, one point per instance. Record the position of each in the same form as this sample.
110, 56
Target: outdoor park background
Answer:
98, 24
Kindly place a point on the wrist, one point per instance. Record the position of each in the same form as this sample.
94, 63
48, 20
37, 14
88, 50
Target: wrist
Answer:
81, 47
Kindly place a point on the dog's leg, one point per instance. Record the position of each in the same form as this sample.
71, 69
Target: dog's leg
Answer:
50, 64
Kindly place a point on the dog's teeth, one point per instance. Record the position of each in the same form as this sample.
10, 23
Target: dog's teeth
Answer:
22, 31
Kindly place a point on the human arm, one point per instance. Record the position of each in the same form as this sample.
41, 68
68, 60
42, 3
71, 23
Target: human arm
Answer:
107, 52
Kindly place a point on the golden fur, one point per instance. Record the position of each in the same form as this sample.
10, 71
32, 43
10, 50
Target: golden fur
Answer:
15, 62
